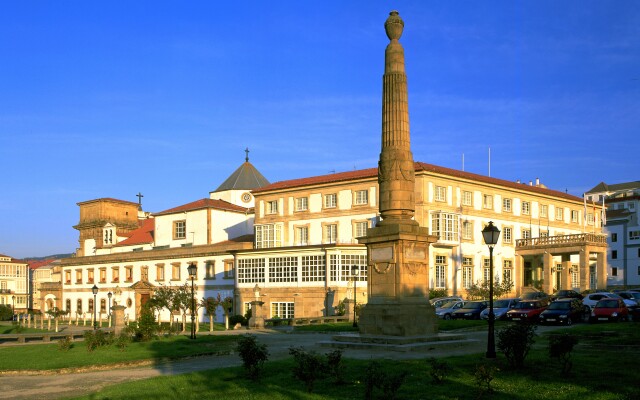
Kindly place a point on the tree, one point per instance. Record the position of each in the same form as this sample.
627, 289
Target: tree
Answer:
56, 313
210, 305
163, 298
181, 301
227, 306
480, 289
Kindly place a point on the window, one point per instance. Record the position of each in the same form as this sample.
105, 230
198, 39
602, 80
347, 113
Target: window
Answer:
90, 275
313, 269
115, 274
614, 254
67, 306
614, 237
506, 205
160, 272
467, 198
144, 273
544, 233
507, 271
229, 270
180, 229
574, 216
330, 233
544, 211
638, 270
302, 204
128, 273
526, 233
283, 269
526, 208
487, 201
467, 230
632, 206
486, 269
559, 213
175, 271
360, 228
78, 276
103, 305
614, 271
575, 276
282, 310
268, 236
272, 207
302, 235
210, 269
340, 267
67, 276
362, 197
507, 235
634, 235
441, 193
330, 200
590, 218
91, 306
250, 270
103, 275
445, 226
441, 272
467, 272
79, 306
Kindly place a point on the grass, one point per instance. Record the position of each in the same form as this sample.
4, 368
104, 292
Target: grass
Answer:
49, 357
450, 325
598, 374
13, 329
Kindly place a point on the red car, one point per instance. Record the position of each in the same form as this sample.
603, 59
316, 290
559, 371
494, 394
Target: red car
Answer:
527, 310
609, 310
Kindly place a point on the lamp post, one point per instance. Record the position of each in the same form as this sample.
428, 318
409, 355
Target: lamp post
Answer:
193, 269
109, 296
13, 298
94, 289
355, 271
490, 234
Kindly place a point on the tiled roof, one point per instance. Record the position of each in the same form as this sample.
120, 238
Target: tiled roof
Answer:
205, 203
419, 166
603, 187
108, 199
40, 263
617, 214
142, 235
246, 177
13, 260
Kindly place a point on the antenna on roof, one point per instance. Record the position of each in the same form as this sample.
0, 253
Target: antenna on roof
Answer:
489, 160
246, 158
462, 161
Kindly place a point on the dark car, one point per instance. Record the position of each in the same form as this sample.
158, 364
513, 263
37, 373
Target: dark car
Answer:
470, 310
609, 309
535, 295
566, 294
527, 310
563, 311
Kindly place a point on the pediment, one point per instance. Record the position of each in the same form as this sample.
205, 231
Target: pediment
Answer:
142, 285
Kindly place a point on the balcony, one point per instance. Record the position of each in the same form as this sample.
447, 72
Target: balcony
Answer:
5, 291
580, 239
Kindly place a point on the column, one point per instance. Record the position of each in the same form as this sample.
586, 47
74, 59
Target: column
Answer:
584, 268
547, 262
565, 276
601, 270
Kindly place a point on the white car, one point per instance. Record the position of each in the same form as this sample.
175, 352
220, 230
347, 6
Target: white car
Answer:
500, 308
590, 300
439, 301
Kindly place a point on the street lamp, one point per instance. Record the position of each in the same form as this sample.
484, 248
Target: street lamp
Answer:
13, 298
193, 269
490, 234
355, 271
94, 289
109, 296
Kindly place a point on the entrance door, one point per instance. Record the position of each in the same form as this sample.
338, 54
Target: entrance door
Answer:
528, 274
144, 297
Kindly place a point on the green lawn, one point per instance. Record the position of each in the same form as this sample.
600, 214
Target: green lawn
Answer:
48, 356
443, 325
598, 374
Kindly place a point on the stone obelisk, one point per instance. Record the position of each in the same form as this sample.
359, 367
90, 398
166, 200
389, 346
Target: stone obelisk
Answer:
398, 248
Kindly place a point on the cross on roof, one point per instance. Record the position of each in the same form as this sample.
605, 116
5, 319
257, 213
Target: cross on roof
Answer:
246, 159
139, 196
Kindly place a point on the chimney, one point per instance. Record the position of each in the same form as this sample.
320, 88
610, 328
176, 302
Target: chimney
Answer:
537, 181
530, 183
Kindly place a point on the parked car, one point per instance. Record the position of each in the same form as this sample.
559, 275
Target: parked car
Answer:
566, 294
439, 301
609, 309
592, 299
630, 295
470, 310
563, 311
535, 296
527, 310
500, 308
448, 308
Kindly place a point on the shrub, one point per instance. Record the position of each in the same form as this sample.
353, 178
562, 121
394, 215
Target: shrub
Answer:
560, 347
6, 313
340, 309
147, 327
389, 382
123, 340
253, 355
308, 366
336, 366
483, 375
65, 344
439, 370
234, 319
515, 342
435, 293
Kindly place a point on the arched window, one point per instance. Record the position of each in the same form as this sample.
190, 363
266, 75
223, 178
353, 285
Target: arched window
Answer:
79, 306
67, 306
90, 305
103, 305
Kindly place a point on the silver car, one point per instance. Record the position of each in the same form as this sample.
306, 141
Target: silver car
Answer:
500, 308
445, 311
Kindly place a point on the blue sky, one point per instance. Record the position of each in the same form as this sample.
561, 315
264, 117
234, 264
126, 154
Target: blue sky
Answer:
106, 99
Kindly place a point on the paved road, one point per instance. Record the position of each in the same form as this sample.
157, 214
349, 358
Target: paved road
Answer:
55, 386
